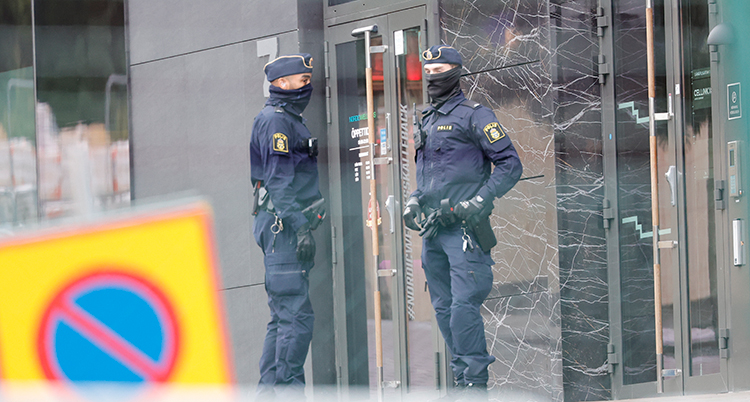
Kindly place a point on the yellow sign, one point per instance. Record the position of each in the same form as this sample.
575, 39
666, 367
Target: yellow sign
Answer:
133, 299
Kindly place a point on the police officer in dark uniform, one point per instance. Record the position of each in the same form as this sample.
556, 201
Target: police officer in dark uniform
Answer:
458, 142
283, 159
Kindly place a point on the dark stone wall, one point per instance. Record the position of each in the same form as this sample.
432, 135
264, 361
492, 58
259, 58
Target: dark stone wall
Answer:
533, 63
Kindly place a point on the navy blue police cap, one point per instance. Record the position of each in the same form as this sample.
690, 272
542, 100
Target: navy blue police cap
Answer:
441, 54
288, 65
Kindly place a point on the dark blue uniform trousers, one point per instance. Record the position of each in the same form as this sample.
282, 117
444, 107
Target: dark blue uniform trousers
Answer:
459, 282
289, 332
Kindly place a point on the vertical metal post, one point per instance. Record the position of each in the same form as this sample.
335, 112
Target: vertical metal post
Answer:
654, 193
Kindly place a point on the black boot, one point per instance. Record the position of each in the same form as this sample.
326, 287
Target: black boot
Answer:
474, 392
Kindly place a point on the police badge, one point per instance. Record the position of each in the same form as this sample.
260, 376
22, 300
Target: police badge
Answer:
494, 132
280, 143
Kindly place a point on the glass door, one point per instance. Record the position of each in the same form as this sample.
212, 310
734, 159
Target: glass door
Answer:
691, 238
698, 154
409, 359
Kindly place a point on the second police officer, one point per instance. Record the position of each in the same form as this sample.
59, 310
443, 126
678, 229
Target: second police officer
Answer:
457, 145
284, 172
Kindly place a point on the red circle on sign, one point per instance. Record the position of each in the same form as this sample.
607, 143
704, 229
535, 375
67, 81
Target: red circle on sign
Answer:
63, 308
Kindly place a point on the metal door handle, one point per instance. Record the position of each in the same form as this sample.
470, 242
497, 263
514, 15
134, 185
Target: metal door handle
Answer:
671, 176
389, 205
389, 140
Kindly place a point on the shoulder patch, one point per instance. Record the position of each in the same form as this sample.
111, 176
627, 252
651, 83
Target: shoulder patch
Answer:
470, 103
280, 143
494, 131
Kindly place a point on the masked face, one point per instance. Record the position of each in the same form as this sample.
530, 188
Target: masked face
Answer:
294, 81
442, 86
297, 99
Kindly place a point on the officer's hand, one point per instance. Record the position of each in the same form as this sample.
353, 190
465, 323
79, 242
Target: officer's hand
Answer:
305, 244
412, 212
473, 210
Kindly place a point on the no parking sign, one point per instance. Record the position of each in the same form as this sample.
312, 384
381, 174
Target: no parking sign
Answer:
133, 299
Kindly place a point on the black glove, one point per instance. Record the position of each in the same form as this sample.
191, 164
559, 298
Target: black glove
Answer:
430, 227
305, 244
412, 213
473, 211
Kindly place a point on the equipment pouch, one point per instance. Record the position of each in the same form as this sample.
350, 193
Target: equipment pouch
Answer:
484, 234
447, 217
256, 198
315, 213
312, 147
261, 200
419, 135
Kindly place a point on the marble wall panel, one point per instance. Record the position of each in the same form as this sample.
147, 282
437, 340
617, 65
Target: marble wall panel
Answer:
579, 178
520, 336
550, 231
492, 34
524, 219
522, 312
583, 293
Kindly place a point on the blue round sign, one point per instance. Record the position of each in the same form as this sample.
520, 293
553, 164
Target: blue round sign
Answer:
109, 326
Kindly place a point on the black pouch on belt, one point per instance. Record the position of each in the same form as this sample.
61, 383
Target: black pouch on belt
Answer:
256, 198
312, 147
485, 236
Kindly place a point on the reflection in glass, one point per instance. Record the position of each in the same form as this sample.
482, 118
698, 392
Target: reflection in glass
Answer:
634, 192
82, 111
699, 201
419, 309
350, 83
394, 181
18, 177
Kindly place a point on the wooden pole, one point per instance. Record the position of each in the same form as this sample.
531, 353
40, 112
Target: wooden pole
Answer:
654, 194
373, 209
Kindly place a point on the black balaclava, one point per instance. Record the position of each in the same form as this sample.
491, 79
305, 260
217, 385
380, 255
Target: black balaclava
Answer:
295, 99
443, 86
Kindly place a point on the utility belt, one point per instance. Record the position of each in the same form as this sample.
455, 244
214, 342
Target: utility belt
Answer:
444, 216
314, 213
261, 200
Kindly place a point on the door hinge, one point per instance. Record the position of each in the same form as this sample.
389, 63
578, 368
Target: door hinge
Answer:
713, 8
327, 70
333, 245
607, 213
611, 359
719, 195
325, 61
724, 343
437, 370
603, 69
602, 21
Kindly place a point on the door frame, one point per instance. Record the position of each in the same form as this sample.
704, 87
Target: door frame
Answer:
684, 383
338, 32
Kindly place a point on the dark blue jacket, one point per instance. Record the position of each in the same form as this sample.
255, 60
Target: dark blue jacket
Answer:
279, 159
464, 140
